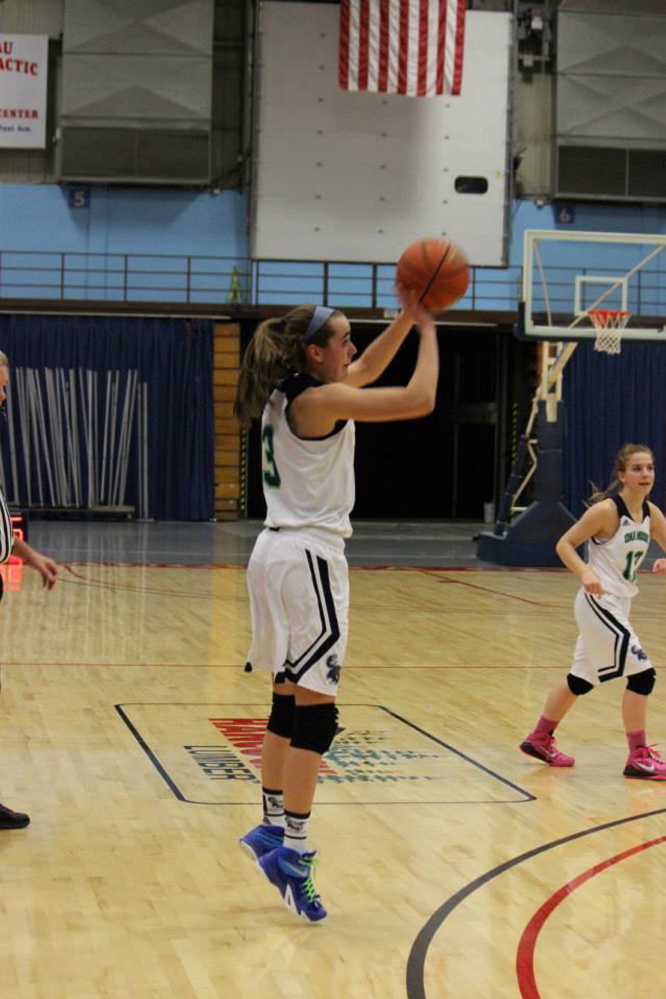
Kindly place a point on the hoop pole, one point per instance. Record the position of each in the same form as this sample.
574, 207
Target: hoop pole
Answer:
533, 415
517, 467
528, 475
560, 362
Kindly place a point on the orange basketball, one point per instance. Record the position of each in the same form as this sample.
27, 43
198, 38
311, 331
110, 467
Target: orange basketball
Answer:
435, 268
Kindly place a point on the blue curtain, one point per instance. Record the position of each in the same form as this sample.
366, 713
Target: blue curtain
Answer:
151, 406
611, 401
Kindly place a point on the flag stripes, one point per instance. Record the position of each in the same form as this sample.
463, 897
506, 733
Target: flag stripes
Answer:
412, 47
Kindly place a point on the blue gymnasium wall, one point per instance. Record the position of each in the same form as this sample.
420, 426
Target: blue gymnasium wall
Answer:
39, 219
142, 221
589, 217
122, 220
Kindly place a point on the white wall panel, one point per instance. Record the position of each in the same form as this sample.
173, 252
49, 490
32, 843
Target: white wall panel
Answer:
357, 176
611, 79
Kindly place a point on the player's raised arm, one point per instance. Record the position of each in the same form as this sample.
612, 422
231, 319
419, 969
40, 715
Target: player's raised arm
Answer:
431, 275
315, 412
378, 355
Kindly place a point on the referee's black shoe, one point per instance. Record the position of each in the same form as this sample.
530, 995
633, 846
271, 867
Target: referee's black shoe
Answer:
13, 820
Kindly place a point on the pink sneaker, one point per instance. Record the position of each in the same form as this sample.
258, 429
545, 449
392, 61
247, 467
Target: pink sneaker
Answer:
645, 764
543, 747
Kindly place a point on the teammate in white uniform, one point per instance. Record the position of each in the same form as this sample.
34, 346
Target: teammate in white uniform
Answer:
10, 544
618, 527
300, 376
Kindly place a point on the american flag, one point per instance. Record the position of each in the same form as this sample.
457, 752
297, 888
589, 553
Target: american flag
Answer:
412, 47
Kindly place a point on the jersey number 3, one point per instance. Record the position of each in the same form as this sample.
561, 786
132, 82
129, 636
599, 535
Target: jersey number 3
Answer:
269, 468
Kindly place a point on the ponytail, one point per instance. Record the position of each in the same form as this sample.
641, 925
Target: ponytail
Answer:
598, 495
622, 459
277, 349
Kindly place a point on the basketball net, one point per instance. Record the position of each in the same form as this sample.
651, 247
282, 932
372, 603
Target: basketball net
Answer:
609, 324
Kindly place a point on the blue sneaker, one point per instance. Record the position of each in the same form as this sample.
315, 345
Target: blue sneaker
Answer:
291, 873
261, 840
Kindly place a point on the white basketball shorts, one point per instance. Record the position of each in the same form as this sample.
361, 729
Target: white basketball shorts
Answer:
299, 603
607, 645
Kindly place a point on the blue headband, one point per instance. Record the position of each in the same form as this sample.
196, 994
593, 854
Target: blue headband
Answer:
320, 317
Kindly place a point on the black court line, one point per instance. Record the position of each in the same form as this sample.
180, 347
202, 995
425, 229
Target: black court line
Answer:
171, 783
463, 756
150, 754
417, 956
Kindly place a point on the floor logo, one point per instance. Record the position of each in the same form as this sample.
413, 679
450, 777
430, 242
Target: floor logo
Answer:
355, 756
210, 754
246, 735
360, 756
218, 763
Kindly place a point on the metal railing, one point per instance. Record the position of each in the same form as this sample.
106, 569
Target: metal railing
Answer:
235, 280
122, 277
226, 280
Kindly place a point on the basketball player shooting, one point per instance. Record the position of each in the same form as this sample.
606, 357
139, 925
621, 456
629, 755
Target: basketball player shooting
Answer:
300, 375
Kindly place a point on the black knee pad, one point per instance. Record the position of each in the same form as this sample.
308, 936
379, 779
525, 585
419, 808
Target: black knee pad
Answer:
642, 683
281, 720
315, 726
578, 686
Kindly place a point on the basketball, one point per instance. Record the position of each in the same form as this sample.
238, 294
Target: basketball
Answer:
437, 270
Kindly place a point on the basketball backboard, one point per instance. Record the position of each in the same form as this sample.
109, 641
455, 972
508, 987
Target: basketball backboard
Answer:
566, 274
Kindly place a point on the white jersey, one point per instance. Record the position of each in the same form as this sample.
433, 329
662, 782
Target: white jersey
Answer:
307, 482
616, 560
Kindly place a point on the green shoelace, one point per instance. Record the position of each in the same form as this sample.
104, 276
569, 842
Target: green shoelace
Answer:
308, 884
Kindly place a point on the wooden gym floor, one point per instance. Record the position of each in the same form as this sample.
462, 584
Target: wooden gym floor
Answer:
452, 866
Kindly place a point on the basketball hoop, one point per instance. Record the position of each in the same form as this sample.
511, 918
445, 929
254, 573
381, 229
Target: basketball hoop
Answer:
609, 324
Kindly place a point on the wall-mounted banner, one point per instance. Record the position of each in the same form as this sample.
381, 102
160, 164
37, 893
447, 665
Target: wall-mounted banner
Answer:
23, 71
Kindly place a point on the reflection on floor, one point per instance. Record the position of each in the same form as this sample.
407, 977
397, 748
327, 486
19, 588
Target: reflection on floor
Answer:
373, 542
451, 864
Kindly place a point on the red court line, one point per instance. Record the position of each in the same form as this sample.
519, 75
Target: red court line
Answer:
525, 954
494, 593
459, 568
159, 565
112, 584
365, 568
353, 568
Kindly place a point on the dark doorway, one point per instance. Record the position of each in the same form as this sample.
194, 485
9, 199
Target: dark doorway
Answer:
446, 465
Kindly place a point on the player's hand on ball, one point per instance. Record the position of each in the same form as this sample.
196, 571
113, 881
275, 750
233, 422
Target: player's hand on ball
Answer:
411, 305
437, 269
591, 583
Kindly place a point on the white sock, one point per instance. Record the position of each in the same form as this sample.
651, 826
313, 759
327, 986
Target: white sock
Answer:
273, 804
296, 831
